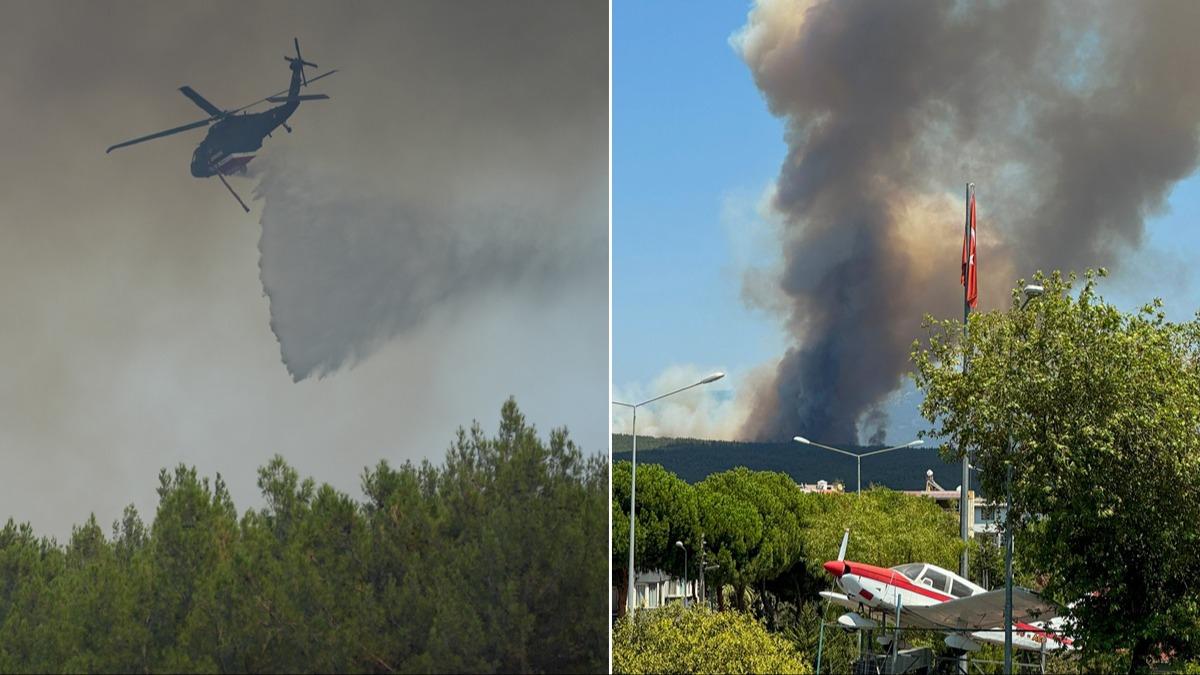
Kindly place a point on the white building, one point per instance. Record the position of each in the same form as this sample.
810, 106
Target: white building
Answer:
821, 486
984, 518
656, 589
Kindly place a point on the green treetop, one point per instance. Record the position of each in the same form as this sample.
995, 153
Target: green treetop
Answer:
1104, 409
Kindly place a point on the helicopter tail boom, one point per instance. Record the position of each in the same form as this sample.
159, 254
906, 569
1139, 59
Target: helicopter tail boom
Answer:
304, 97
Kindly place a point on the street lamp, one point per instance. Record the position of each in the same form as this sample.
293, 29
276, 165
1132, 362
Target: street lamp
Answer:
630, 597
1031, 291
858, 457
680, 545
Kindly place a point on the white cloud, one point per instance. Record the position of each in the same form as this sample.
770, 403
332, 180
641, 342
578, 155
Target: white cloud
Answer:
712, 411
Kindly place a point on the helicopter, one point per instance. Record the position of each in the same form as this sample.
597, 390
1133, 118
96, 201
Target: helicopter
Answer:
234, 134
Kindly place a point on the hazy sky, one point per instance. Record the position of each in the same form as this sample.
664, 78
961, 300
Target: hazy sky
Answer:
436, 241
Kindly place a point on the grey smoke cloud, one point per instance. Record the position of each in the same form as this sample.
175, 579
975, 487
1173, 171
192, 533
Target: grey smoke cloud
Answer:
135, 329
1072, 118
345, 271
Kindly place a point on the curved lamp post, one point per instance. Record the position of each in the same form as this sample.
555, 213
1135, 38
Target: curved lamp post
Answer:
630, 597
858, 456
1031, 291
679, 544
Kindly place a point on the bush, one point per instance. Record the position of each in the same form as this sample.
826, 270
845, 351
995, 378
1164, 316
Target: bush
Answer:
699, 640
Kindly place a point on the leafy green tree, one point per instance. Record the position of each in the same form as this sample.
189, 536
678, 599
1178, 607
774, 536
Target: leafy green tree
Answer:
494, 561
1104, 408
887, 528
31, 615
769, 509
667, 512
733, 528
697, 640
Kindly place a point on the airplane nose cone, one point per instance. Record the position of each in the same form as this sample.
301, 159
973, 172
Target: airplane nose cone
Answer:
835, 567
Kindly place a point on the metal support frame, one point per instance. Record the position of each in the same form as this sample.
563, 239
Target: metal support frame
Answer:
964, 662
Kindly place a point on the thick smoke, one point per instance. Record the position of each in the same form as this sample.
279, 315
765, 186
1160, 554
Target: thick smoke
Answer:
1073, 119
136, 335
468, 158
345, 270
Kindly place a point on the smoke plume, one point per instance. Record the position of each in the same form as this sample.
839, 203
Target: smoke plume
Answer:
1073, 119
463, 157
346, 270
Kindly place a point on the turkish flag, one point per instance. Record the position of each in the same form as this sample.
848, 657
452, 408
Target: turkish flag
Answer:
969, 276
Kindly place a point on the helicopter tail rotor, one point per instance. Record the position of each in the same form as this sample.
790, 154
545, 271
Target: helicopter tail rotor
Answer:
299, 62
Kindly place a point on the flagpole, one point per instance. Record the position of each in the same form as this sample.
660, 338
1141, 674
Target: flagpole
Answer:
966, 465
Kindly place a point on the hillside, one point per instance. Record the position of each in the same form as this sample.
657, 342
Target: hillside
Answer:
694, 459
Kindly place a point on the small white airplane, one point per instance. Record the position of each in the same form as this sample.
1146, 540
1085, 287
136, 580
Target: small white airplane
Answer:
928, 596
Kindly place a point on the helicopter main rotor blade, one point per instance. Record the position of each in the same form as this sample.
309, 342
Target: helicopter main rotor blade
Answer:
278, 93
168, 132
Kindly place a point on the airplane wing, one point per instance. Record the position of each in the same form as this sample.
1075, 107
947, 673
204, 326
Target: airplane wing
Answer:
840, 599
983, 611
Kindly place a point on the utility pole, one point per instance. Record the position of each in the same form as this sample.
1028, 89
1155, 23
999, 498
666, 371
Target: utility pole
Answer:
703, 597
631, 601
963, 503
1031, 291
1008, 556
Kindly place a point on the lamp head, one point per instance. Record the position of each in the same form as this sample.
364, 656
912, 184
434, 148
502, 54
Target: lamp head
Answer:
679, 544
1031, 291
917, 442
713, 378
801, 439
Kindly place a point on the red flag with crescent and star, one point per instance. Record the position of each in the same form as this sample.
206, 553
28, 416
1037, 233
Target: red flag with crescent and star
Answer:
969, 277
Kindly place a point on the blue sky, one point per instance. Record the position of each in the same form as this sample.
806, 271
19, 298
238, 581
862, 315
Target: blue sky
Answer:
689, 131
694, 148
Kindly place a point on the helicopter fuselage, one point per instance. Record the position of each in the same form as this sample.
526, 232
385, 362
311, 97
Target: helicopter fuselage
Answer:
234, 134
237, 134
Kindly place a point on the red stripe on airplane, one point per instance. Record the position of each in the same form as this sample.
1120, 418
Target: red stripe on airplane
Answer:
1029, 628
896, 579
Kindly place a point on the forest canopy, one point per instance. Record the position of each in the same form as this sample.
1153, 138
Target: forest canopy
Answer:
495, 560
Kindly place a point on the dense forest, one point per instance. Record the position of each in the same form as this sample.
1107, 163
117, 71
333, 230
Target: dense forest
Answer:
693, 460
494, 561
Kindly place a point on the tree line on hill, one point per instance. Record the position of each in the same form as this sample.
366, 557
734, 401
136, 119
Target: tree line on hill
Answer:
693, 460
492, 562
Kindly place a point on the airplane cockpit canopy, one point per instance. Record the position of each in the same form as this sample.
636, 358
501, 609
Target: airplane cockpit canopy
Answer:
911, 570
938, 579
